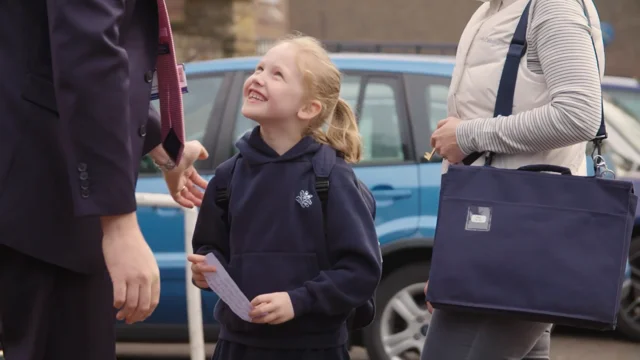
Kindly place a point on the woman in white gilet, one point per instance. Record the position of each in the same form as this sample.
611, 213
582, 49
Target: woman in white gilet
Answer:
556, 110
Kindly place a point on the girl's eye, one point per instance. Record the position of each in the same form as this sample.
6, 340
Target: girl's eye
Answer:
258, 69
278, 73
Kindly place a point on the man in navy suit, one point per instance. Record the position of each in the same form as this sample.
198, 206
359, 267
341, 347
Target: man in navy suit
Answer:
75, 120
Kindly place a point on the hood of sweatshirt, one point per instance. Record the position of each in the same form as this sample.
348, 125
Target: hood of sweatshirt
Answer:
257, 152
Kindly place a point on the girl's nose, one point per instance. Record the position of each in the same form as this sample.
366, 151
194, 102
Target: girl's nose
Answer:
257, 79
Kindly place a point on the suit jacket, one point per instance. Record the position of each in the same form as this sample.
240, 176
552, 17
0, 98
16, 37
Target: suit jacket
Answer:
75, 82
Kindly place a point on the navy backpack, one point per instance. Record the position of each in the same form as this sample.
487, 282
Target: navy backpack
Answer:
323, 162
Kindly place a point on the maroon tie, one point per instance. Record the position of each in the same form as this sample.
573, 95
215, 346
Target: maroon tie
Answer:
169, 91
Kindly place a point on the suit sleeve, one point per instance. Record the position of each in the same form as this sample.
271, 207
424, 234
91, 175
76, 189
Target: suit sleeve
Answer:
91, 83
210, 234
154, 136
353, 246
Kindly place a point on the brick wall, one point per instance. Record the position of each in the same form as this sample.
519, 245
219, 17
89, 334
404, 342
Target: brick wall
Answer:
623, 55
440, 21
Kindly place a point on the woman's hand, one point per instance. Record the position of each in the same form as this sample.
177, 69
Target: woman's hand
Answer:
445, 142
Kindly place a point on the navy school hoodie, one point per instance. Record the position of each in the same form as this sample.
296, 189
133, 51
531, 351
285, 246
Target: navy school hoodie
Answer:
272, 244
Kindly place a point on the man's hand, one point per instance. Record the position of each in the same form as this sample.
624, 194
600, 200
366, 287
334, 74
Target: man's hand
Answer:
184, 183
132, 266
198, 269
273, 309
444, 140
429, 307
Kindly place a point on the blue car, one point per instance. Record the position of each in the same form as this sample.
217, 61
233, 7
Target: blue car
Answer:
624, 93
398, 99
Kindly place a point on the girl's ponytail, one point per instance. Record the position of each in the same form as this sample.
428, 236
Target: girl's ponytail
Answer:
322, 82
342, 133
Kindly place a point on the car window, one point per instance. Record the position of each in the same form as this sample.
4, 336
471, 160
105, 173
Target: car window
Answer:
242, 124
379, 122
626, 99
198, 104
436, 100
349, 91
427, 104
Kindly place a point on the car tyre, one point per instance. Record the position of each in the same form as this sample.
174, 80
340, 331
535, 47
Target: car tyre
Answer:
630, 306
413, 277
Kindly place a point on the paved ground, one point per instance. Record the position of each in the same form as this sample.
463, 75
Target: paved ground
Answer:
565, 346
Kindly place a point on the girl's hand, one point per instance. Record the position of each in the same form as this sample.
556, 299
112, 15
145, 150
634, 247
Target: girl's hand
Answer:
198, 268
273, 309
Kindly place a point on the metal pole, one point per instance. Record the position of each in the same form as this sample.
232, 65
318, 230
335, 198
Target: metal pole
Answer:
194, 301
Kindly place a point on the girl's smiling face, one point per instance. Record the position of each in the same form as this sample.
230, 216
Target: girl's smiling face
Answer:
275, 91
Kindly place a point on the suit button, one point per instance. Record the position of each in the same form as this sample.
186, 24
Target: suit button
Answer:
142, 131
84, 175
148, 76
82, 167
84, 193
84, 185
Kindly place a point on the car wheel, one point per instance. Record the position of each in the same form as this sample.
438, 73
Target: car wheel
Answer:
399, 329
629, 315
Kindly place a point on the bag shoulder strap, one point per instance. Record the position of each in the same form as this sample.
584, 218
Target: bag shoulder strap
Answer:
222, 181
506, 89
602, 131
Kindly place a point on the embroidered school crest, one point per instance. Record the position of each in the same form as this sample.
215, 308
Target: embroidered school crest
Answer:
304, 199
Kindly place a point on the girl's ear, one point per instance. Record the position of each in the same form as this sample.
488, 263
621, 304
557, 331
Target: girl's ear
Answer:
310, 110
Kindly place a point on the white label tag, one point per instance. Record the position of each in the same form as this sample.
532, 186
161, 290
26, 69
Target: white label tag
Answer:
478, 219
182, 78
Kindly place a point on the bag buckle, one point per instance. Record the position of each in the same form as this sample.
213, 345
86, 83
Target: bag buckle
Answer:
600, 168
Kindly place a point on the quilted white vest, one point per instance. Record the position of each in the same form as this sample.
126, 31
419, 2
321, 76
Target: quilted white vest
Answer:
479, 62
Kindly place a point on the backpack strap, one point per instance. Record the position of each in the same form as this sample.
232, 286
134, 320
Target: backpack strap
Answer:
323, 162
222, 182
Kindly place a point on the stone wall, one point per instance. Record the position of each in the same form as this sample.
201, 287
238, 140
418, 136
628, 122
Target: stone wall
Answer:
210, 29
442, 21
207, 29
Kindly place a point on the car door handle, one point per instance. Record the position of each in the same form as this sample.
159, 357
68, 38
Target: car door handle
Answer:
395, 194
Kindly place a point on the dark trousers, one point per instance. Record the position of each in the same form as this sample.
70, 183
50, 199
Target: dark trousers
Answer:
51, 313
456, 335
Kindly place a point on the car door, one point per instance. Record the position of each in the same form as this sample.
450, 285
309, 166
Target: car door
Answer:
427, 99
163, 228
388, 166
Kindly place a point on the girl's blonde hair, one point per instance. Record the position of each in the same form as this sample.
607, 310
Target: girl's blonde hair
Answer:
322, 81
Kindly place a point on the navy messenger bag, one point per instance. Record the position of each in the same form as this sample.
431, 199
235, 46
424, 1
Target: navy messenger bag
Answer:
534, 243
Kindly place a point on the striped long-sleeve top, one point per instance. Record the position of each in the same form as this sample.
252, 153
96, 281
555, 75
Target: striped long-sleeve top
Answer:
561, 49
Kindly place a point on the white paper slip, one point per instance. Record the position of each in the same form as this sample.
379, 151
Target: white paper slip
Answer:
226, 289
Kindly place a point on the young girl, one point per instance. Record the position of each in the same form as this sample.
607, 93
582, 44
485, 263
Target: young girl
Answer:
276, 217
